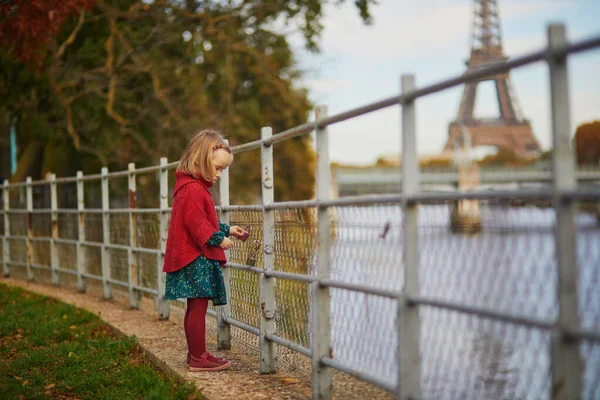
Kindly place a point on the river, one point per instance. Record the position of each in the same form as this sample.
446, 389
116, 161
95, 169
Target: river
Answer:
510, 267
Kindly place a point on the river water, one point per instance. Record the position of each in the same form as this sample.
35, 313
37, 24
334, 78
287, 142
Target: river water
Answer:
510, 267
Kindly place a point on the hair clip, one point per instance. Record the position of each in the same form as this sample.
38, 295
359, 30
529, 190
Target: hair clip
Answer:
222, 146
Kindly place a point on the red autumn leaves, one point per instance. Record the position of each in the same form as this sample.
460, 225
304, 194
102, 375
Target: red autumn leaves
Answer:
27, 26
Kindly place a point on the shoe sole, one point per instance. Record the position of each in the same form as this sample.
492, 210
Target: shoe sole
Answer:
219, 368
187, 363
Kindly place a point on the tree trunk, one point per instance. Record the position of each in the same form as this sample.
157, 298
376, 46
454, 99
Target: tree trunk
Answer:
30, 163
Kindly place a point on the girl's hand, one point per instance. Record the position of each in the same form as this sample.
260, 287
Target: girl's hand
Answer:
235, 231
226, 244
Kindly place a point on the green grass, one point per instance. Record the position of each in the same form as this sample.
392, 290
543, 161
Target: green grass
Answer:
50, 349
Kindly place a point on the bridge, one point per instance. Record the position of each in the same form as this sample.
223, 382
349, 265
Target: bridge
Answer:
370, 286
356, 181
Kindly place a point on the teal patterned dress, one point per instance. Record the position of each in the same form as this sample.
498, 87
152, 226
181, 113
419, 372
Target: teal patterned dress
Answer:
200, 278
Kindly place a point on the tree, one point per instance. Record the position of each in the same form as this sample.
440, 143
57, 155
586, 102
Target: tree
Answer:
131, 81
27, 26
505, 157
587, 143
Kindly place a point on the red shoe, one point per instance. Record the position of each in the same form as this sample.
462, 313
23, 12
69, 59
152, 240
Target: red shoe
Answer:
205, 363
209, 356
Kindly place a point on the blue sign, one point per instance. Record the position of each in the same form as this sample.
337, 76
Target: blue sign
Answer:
13, 148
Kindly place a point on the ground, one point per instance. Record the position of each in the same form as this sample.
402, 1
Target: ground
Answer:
164, 344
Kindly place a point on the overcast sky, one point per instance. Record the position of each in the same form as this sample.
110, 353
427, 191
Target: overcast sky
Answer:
360, 64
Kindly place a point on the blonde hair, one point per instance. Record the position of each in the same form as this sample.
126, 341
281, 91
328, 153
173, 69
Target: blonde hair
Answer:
196, 160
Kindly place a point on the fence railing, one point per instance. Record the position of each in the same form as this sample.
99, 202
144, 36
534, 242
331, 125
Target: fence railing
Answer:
106, 244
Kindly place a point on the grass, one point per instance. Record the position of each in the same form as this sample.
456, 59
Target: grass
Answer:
50, 349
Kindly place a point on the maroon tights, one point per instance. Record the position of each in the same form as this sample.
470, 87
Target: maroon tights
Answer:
194, 325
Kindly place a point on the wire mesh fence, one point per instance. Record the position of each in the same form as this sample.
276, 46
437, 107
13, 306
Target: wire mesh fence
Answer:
509, 267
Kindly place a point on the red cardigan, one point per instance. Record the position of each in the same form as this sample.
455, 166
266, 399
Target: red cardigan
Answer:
193, 222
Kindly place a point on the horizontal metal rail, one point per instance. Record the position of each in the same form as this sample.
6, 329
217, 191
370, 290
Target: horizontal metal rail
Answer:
92, 177
582, 194
65, 241
68, 179
526, 194
247, 146
134, 210
16, 263
67, 271
243, 267
358, 374
91, 211
67, 211
40, 238
290, 345
290, 276
354, 287
91, 276
254, 207
145, 289
17, 237
118, 283
584, 334
242, 326
92, 244
289, 205
480, 312
41, 267
34, 211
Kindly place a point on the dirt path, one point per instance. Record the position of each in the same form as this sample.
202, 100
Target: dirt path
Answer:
164, 344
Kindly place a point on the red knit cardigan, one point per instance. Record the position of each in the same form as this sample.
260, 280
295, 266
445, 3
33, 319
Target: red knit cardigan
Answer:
193, 222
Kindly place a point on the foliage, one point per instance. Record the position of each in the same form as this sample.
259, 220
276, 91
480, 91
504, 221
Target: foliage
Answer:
133, 80
27, 26
71, 355
587, 143
505, 157
437, 163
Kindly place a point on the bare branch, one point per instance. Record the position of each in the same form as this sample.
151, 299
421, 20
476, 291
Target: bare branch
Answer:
72, 36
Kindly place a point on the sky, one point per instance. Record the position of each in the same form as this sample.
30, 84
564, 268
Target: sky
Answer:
360, 64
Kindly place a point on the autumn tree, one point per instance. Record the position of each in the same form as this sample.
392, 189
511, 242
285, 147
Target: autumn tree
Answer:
505, 157
108, 83
587, 143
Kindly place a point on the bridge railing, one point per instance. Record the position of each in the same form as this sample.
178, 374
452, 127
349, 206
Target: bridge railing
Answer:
308, 308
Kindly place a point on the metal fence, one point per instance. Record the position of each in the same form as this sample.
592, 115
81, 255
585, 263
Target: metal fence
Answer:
374, 286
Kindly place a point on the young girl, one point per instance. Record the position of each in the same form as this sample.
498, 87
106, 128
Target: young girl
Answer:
196, 243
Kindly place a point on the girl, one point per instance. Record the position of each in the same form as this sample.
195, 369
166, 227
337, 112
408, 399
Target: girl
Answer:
196, 243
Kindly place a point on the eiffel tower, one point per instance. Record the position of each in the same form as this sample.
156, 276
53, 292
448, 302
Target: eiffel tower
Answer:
511, 130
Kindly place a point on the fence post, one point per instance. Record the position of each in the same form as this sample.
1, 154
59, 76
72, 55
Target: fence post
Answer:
321, 312
567, 369
162, 304
106, 253
54, 261
5, 241
132, 270
81, 282
224, 312
268, 306
28, 243
409, 361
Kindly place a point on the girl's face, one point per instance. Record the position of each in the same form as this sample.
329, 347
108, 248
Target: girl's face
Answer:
221, 159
